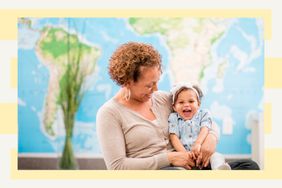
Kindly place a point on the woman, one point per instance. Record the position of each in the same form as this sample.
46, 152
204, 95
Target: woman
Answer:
132, 127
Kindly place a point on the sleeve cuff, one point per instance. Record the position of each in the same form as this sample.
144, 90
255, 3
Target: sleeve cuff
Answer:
162, 160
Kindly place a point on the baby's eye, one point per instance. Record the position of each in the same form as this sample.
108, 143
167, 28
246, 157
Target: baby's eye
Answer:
181, 102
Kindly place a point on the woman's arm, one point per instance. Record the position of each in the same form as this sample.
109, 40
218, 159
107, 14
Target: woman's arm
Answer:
111, 139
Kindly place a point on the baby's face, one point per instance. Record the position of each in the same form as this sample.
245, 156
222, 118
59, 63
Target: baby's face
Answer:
186, 104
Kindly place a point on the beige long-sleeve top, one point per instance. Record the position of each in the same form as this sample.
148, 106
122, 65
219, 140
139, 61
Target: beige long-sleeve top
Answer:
129, 141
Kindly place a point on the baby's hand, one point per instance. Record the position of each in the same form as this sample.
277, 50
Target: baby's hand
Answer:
199, 161
196, 149
190, 154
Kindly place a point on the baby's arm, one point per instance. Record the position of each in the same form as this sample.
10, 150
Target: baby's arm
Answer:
196, 148
174, 133
205, 124
176, 143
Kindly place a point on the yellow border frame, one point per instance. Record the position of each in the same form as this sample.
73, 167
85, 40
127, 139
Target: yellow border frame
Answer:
12, 15
272, 170
272, 167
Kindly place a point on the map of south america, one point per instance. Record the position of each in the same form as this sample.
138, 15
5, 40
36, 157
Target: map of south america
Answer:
56, 49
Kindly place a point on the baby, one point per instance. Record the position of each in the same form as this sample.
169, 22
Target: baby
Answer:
189, 125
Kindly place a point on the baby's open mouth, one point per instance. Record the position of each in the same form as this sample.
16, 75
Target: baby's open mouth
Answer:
187, 111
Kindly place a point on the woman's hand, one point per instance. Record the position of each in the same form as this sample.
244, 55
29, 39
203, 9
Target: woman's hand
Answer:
182, 159
207, 149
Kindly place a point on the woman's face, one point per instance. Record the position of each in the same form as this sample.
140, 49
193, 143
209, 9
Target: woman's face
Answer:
142, 90
186, 104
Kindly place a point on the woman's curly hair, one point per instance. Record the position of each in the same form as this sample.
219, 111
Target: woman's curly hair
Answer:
126, 61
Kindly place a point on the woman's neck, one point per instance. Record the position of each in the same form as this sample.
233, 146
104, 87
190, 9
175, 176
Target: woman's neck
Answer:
142, 108
132, 103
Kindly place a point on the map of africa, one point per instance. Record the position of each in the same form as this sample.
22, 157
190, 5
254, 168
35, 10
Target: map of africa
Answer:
223, 56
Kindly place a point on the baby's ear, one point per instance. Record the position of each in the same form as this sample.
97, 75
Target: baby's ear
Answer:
173, 107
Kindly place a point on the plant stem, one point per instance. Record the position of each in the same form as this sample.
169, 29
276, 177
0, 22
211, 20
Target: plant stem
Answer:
68, 161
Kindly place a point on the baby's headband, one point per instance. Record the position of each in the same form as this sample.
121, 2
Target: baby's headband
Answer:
179, 86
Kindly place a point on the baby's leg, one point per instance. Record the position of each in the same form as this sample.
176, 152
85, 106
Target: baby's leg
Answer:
217, 162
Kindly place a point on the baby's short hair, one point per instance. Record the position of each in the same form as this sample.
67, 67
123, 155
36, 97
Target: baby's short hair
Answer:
177, 88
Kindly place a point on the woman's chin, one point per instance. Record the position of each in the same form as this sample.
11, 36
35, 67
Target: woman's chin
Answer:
147, 97
143, 99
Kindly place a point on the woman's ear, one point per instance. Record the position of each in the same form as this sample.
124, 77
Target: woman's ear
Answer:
126, 85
